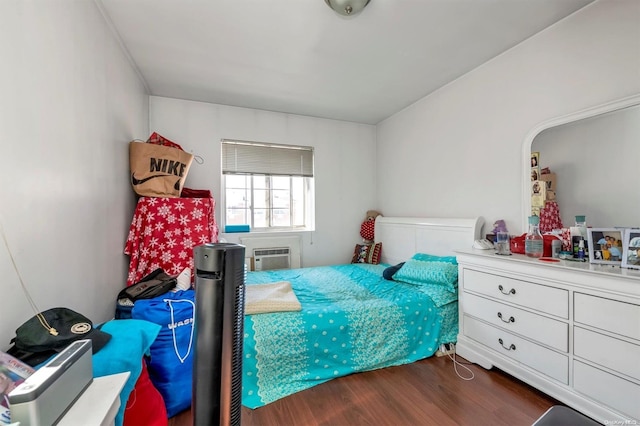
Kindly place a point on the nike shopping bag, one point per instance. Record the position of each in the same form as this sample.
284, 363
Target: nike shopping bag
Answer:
158, 170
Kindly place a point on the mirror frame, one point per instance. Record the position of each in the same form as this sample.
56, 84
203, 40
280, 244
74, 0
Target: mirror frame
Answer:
558, 121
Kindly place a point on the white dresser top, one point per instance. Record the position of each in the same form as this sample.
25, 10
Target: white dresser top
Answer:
596, 276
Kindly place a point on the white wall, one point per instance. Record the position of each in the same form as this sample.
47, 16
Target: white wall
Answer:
70, 102
459, 151
345, 158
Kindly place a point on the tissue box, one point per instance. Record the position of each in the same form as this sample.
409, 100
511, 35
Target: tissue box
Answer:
236, 228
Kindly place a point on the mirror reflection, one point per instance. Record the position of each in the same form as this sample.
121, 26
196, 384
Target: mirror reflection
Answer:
596, 162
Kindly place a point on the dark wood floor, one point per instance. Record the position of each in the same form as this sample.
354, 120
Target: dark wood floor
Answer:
427, 392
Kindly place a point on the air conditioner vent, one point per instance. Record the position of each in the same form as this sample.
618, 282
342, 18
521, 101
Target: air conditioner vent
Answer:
266, 259
271, 251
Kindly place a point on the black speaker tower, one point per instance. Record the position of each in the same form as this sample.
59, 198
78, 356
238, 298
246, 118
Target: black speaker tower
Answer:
219, 322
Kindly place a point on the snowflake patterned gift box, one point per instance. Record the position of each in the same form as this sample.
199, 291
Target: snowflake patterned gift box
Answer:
164, 231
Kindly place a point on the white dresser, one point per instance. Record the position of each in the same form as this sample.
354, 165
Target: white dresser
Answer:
569, 329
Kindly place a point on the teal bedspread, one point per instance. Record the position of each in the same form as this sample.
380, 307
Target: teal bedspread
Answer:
351, 320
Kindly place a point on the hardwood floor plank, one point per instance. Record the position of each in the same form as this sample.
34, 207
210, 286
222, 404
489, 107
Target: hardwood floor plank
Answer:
427, 392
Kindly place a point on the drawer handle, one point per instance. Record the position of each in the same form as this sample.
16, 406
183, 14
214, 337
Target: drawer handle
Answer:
512, 291
511, 319
511, 346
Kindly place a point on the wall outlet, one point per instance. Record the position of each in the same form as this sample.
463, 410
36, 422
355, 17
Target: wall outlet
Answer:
446, 349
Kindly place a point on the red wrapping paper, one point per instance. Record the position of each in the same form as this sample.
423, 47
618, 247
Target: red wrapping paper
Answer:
164, 231
550, 217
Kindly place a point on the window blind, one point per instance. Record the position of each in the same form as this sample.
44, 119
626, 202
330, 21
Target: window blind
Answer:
242, 157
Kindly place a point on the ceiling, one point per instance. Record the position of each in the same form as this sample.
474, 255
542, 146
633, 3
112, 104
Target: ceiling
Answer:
300, 57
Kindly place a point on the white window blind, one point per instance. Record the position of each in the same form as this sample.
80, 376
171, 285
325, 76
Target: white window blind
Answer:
241, 157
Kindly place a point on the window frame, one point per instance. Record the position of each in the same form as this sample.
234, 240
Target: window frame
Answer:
305, 174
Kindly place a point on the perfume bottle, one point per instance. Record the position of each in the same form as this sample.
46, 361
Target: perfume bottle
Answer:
578, 233
581, 250
533, 242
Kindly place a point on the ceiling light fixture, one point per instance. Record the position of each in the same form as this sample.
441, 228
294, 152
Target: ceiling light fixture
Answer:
347, 7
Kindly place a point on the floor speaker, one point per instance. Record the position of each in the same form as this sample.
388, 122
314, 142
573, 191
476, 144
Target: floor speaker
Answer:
219, 322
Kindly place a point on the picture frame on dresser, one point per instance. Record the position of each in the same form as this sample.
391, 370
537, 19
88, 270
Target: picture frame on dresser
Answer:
631, 248
605, 245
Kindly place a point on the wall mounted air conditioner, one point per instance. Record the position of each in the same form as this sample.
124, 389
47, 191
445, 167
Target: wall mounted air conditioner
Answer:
266, 259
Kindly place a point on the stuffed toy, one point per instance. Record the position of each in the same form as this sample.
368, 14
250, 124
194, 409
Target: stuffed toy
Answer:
499, 226
367, 229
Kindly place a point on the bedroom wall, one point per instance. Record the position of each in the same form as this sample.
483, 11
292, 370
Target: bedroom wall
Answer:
459, 151
70, 104
345, 158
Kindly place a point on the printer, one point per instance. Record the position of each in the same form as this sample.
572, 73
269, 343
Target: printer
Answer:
45, 396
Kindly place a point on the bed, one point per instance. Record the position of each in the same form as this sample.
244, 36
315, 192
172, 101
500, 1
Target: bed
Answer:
351, 318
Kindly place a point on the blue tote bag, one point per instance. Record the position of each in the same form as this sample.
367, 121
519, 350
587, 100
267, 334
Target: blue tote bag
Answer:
171, 363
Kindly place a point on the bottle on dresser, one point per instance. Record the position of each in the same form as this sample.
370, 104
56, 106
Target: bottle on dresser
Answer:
533, 242
578, 234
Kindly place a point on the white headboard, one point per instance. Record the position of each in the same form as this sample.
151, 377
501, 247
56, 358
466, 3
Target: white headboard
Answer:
402, 237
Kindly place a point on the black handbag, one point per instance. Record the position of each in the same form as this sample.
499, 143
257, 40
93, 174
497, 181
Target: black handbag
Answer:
155, 284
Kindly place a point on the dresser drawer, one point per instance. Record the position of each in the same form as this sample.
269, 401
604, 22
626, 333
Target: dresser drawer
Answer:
618, 393
539, 358
537, 327
606, 314
616, 354
550, 300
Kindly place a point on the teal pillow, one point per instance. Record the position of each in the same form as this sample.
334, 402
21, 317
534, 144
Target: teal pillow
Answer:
429, 272
433, 258
130, 341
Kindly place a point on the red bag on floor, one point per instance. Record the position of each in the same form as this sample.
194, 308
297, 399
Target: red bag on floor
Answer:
145, 405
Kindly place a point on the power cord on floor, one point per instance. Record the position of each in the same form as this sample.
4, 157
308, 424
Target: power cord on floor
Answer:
451, 353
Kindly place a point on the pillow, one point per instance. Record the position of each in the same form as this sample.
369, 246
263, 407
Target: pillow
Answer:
429, 272
387, 274
130, 340
432, 258
367, 253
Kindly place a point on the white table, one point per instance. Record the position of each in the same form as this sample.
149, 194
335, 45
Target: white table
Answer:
98, 404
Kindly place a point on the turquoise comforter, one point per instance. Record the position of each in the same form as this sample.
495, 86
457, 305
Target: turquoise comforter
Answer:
351, 320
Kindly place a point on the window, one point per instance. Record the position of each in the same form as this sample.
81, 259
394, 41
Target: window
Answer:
267, 186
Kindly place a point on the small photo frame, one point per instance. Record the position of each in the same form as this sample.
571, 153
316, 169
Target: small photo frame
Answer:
631, 248
535, 166
535, 160
605, 245
538, 193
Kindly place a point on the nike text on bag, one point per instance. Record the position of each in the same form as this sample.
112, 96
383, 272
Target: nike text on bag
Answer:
156, 170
